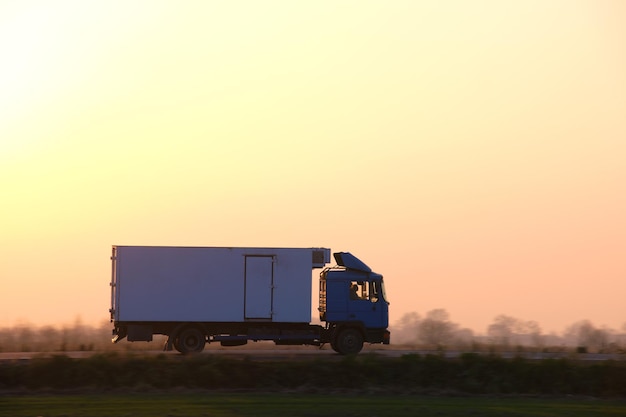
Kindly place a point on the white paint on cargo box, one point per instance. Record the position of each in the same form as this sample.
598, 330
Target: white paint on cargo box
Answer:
214, 284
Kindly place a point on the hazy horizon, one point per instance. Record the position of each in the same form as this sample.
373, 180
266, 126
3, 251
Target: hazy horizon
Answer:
432, 330
471, 152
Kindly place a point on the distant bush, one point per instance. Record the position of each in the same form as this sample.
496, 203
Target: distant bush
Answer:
77, 337
475, 374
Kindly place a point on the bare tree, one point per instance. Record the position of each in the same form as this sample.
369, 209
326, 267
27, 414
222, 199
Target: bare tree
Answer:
507, 331
587, 337
464, 338
436, 329
48, 338
501, 331
533, 330
406, 329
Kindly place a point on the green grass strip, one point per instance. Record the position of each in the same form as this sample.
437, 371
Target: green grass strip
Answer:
309, 405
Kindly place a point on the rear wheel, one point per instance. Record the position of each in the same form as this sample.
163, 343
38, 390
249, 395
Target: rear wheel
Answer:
349, 341
190, 340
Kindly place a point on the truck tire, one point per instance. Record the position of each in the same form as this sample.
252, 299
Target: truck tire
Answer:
190, 340
349, 341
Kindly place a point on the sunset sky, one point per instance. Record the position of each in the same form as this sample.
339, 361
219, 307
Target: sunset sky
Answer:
472, 152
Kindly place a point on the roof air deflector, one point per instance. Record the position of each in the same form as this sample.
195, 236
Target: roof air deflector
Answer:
348, 260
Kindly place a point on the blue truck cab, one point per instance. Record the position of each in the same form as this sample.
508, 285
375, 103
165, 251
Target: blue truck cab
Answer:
353, 304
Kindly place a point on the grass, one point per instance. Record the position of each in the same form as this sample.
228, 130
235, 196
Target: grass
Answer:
311, 405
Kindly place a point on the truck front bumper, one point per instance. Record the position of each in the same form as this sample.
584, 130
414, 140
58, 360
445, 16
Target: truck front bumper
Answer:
378, 336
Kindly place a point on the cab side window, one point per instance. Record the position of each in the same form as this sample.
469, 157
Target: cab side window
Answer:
363, 290
357, 290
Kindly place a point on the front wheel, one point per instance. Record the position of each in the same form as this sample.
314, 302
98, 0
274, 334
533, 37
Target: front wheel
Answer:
349, 342
190, 340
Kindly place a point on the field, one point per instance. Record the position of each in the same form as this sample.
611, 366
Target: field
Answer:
366, 385
311, 405
470, 374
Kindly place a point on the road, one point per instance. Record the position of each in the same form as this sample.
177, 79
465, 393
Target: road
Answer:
281, 353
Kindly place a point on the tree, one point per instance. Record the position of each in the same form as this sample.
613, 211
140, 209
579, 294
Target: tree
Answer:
436, 329
587, 336
406, 329
501, 331
533, 330
507, 331
49, 338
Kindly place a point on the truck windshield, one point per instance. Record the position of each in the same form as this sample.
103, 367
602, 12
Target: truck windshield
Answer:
378, 291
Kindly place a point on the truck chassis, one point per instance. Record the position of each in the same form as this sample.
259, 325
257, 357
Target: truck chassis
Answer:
188, 338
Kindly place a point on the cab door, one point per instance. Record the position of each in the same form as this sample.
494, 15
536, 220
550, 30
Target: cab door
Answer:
366, 306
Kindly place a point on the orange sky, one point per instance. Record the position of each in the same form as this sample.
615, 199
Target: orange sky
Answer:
471, 152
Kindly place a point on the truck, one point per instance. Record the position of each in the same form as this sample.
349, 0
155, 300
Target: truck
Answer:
233, 295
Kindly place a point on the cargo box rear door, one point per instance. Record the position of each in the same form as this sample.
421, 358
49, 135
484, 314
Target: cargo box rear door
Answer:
259, 281
114, 294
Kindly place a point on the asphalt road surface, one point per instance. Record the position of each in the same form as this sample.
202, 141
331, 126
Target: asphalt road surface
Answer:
300, 353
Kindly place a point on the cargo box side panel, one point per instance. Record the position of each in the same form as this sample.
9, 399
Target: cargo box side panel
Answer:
180, 284
259, 287
292, 285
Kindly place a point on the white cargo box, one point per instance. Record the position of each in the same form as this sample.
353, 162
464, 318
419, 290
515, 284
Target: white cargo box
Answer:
213, 284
